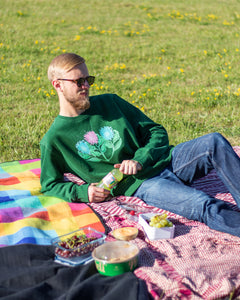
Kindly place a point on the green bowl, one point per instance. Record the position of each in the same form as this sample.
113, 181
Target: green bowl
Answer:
115, 258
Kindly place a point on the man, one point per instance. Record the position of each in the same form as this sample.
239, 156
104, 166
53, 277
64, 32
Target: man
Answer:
93, 135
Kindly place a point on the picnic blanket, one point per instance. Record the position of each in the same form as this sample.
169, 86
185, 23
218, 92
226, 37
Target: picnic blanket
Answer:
198, 263
27, 216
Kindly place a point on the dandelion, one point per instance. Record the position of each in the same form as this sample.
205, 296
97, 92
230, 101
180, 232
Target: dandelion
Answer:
181, 70
77, 38
237, 49
205, 52
122, 66
226, 75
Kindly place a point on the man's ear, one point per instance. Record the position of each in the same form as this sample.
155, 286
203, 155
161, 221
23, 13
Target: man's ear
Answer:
56, 84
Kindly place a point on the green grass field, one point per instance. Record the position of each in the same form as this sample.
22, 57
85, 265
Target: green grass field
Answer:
177, 60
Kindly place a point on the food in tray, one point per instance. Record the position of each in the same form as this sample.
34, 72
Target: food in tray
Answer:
115, 258
75, 243
159, 221
156, 233
78, 244
125, 233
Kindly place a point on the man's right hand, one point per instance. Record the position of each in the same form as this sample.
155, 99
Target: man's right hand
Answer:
97, 194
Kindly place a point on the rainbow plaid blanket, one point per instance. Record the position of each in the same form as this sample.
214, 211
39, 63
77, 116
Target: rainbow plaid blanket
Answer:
27, 216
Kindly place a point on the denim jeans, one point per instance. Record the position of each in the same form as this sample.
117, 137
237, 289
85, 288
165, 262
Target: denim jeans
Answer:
191, 160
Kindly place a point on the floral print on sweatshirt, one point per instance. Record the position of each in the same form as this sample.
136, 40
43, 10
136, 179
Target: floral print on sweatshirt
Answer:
99, 146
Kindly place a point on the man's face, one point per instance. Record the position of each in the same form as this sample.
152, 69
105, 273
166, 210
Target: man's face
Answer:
77, 96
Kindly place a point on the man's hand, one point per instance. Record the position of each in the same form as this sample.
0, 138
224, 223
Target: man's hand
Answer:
97, 194
129, 167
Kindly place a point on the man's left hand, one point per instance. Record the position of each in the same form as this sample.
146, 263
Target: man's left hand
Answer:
129, 167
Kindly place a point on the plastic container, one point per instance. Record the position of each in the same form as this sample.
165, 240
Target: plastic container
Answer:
125, 233
111, 179
115, 258
67, 251
154, 233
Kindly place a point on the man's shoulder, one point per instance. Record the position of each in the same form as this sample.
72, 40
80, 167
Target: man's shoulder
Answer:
48, 136
103, 97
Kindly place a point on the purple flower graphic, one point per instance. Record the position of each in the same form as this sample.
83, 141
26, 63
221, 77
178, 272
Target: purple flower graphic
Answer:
91, 137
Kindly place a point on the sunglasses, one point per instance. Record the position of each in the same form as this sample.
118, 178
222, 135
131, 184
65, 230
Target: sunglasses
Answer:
80, 81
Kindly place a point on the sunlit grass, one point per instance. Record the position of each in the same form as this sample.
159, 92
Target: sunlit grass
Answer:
176, 62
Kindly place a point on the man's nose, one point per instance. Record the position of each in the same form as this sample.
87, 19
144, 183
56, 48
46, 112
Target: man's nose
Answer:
86, 84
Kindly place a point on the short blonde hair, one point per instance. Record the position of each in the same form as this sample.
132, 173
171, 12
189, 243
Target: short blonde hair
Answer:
63, 63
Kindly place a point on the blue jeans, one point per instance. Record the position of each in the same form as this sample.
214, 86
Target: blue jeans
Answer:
191, 160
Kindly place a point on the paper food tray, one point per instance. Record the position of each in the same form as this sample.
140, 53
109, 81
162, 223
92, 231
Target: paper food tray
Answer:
155, 233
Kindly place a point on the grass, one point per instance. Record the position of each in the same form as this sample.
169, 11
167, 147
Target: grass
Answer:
175, 60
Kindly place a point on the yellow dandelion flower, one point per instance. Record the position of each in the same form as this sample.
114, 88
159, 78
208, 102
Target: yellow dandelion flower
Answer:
226, 75
181, 70
77, 38
36, 42
205, 52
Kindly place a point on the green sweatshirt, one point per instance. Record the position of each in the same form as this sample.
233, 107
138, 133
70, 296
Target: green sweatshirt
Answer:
110, 131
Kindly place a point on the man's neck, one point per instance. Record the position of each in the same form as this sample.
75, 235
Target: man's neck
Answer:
70, 113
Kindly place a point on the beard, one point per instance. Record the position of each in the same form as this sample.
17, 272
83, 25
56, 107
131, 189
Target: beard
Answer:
80, 104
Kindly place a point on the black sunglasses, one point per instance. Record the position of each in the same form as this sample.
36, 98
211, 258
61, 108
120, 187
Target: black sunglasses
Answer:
80, 81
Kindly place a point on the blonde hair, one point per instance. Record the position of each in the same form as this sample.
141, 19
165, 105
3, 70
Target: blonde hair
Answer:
63, 63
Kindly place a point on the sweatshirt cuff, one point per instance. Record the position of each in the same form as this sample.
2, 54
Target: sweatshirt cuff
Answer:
81, 193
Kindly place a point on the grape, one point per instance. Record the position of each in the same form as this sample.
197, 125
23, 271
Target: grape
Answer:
69, 247
160, 221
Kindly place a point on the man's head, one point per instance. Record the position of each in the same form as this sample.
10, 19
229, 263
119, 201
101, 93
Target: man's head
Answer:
69, 76
63, 63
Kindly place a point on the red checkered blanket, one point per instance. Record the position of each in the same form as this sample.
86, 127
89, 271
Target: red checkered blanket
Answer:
198, 263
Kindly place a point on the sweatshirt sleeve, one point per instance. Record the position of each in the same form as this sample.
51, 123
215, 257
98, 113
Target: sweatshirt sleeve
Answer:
152, 137
155, 144
52, 178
